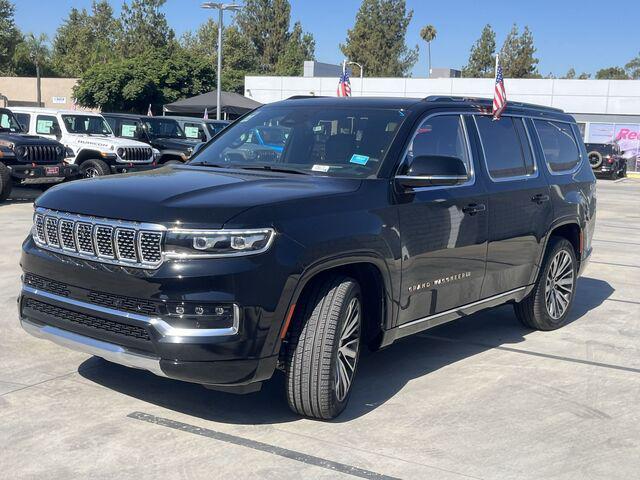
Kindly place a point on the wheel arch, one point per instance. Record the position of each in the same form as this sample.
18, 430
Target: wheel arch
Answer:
87, 154
569, 229
374, 279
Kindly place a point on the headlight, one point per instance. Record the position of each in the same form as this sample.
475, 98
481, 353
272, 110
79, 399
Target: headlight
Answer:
217, 243
70, 152
121, 152
20, 151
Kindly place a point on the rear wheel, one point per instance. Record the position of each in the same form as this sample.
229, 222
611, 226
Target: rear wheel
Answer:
94, 168
6, 183
324, 347
548, 305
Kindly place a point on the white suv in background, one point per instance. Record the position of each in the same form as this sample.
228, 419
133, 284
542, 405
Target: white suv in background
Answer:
89, 140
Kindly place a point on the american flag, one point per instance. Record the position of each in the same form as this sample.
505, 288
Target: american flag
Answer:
499, 94
149, 112
206, 114
344, 85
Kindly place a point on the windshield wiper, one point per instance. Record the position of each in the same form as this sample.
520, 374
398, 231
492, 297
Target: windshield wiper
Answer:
274, 169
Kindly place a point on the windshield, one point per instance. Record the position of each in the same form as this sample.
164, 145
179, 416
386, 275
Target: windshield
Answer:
86, 124
214, 128
163, 128
343, 141
8, 123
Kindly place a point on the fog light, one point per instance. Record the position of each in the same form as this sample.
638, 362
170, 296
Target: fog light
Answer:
201, 315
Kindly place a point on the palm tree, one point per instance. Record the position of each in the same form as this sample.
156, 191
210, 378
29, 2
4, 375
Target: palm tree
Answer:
428, 34
38, 52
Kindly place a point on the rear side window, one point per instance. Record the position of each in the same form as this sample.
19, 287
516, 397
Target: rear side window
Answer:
506, 147
193, 130
442, 135
23, 120
128, 129
559, 145
47, 125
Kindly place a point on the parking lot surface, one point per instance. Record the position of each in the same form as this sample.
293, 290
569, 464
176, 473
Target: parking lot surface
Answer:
481, 398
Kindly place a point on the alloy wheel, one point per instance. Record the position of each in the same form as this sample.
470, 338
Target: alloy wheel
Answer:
91, 172
348, 349
559, 284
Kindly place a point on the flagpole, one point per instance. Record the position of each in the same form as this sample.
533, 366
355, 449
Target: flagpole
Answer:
495, 74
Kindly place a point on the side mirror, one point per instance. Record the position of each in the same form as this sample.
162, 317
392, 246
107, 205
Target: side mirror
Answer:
55, 130
433, 171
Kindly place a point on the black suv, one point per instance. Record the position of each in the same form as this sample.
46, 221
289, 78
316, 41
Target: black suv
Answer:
378, 218
606, 159
29, 159
162, 133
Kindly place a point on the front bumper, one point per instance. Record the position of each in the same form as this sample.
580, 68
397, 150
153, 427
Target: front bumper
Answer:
43, 173
131, 167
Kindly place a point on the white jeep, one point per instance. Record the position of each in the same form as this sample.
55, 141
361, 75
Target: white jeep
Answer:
89, 141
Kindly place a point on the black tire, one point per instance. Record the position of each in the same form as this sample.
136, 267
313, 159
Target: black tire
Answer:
94, 168
595, 159
6, 182
312, 360
534, 311
614, 175
623, 171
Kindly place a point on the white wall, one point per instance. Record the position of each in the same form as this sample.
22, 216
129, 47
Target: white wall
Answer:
573, 96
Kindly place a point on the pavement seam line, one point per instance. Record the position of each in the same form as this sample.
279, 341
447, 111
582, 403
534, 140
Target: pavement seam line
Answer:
536, 354
260, 446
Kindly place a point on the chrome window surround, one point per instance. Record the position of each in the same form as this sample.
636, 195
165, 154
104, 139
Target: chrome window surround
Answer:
95, 223
535, 173
575, 140
157, 323
471, 174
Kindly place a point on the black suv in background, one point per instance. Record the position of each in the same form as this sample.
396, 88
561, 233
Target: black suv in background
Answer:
378, 218
202, 129
606, 159
29, 159
162, 133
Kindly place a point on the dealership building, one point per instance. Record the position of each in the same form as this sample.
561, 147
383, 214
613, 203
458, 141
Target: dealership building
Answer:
606, 110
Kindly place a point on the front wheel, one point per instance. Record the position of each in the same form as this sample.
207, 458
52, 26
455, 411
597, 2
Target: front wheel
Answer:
94, 168
324, 347
547, 306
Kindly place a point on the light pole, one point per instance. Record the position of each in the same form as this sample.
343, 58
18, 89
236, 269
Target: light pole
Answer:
361, 75
221, 7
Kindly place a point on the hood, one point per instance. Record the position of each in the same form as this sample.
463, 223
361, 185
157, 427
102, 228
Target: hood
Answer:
186, 195
24, 139
180, 144
106, 143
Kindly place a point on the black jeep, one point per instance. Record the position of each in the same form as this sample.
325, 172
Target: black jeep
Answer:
378, 218
162, 133
29, 159
606, 159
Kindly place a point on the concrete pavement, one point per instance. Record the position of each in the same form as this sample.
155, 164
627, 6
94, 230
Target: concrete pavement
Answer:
481, 398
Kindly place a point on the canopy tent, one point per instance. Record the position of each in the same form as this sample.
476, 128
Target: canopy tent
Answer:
232, 104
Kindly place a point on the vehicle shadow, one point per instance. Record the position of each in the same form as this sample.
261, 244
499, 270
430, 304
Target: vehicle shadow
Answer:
22, 195
381, 374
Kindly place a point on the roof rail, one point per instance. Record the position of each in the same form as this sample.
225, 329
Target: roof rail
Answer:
442, 98
300, 97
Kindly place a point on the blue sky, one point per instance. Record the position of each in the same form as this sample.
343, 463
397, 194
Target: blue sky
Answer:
586, 35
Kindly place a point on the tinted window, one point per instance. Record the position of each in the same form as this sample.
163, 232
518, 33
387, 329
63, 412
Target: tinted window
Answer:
8, 122
163, 128
559, 145
86, 124
128, 128
194, 130
442, 135
23, 119
47, 125
506, 147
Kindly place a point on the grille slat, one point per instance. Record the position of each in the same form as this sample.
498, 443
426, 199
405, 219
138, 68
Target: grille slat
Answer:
102, 240
137, 154
87, 320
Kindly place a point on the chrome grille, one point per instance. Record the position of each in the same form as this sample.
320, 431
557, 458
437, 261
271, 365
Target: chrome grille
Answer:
102, 240
67, 239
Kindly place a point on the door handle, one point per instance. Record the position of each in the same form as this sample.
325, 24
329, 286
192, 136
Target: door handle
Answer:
474, 208
540, 198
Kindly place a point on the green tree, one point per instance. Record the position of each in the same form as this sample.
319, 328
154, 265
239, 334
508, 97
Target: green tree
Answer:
239, 58
428, 34
612, 73
633, 68
33, 56
300, 47
266, 23
9, 37
482, 58
144, 28
584, 76
204, 41
84, 39
517, 55
156, 77
571, 74
377, 40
